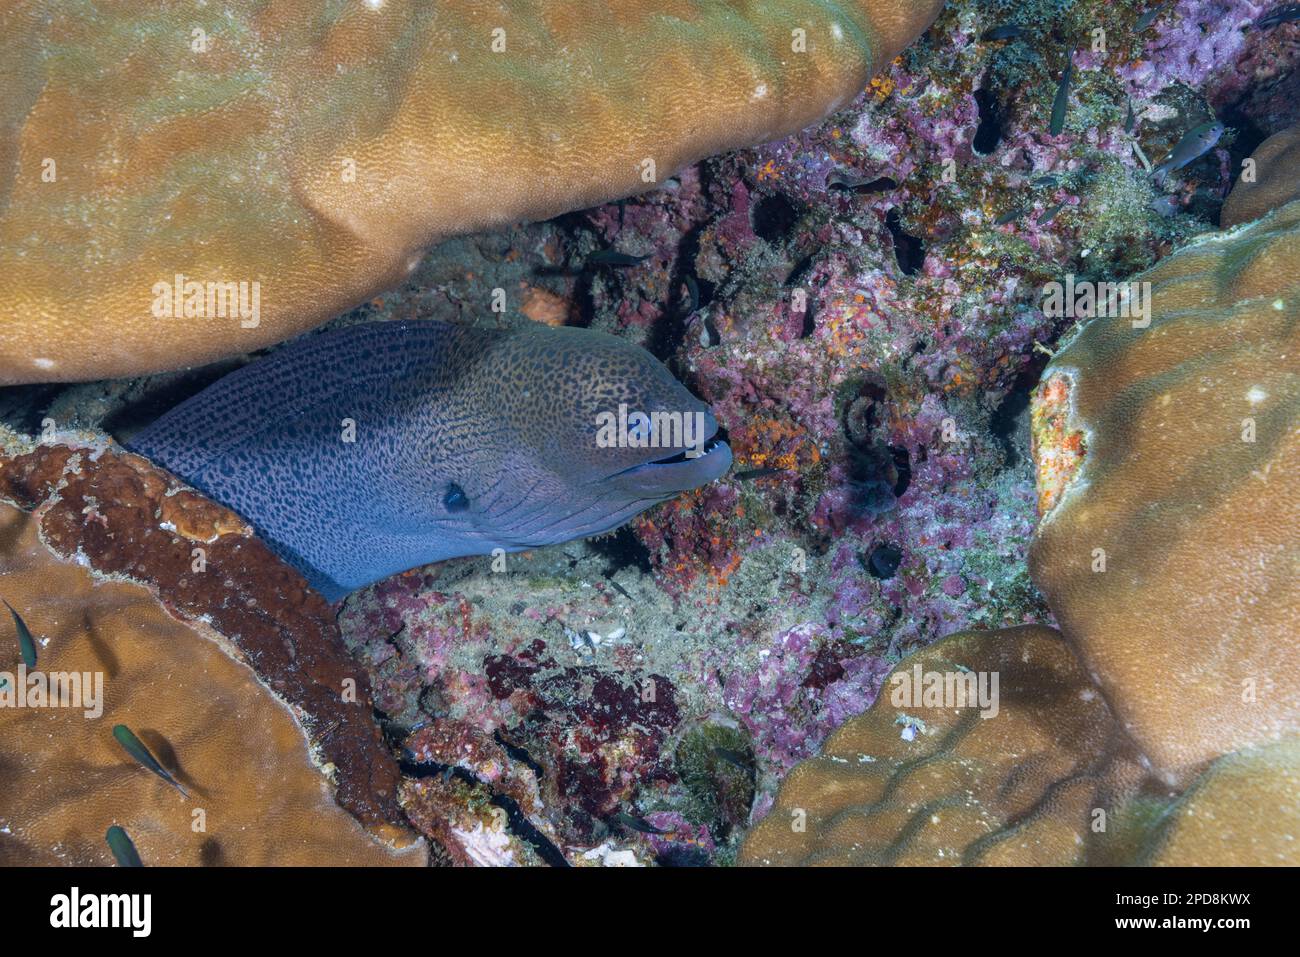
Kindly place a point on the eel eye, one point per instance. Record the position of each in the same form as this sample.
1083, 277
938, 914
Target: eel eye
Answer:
455, 499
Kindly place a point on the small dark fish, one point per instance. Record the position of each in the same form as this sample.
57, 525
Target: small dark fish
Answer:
637, 823
612, 257
1050, 214
1051, 180
1275, 18
1130, 119
1062, 100
1009, 217
1010, 31
838, 179
136, 748
709, 335
1150, 17
693, 289
741, 760
764, 472
1195, 143
25, 642
124, 851
620, 589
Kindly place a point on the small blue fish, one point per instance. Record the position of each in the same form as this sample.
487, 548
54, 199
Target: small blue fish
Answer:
738, 758
123, 849
1050, 214
1150, 16
137, 749
612, 257
1061, 102
1195, 143
637, 823
1010, 31
1275, 18
26, 644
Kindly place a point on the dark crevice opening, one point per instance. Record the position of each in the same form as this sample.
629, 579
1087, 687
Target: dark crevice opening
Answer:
773, 217
909, 250
622, 549
989, 131
516, 820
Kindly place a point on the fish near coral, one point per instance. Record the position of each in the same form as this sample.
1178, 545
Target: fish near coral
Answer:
376, 448
1194, 144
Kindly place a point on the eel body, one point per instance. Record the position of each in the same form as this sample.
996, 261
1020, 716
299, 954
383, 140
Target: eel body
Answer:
376, 448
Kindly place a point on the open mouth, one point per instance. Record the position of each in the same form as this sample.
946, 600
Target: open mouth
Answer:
690, 455
679, 471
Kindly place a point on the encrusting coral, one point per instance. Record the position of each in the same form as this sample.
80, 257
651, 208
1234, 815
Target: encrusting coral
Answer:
170, 596
1276, 180
180, 184
256, 797
1170, 555
921, 783
1047, 778
1166, 446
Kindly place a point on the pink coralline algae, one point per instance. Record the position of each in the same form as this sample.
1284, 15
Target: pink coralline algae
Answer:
861, 306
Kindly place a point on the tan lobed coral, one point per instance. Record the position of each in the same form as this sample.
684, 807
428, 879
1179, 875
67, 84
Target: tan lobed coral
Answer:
126, 571
1170, 555
256, 797
1169, 548
1276, 180
1017, 787
151, 154
1050, 779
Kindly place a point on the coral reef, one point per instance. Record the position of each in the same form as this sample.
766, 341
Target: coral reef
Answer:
1275, 180
306, 160
1169, 558
127, 521
256, 795
1047, 777
860, 304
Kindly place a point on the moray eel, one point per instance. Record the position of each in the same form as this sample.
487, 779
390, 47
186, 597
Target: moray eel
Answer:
376, 448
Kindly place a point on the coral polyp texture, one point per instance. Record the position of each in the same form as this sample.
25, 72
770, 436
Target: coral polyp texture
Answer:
1046, 777
859, 302
1274, 180
184, 182
169, 597
1170, 555
255, 793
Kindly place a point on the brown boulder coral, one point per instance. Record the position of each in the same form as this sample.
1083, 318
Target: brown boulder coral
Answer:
169, 153
255, 795
1051, 778
1169, 546
110, 547
1276, 182
927, 784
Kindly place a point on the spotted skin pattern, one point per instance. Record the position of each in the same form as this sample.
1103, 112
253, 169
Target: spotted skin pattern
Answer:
372, 449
